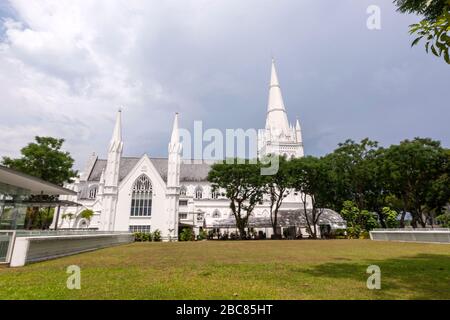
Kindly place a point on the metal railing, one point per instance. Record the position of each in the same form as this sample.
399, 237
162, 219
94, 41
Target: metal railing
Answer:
6, 245
55, 233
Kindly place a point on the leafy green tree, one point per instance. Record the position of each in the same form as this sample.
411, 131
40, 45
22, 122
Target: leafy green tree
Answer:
187, 235
354, 170
310, 177
87, 214
44, 159
358, 221
444, 220
434, 28
278, 186
244, 187
411, 170
391, 217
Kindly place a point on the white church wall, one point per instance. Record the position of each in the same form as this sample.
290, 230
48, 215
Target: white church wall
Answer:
123, 217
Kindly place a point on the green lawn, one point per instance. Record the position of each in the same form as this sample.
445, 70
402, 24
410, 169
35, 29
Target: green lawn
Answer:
240, 270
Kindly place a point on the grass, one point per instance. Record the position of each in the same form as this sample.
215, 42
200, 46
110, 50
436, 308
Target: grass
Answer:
240, 270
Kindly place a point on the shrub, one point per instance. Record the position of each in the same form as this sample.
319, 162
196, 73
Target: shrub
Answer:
156, 236
364, 235
187, 235
87, 214
202, 235
390, 217
444, 220
340, 234
138, 236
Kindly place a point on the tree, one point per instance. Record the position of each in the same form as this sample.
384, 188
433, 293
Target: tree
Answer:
358, 221
278, 187
243, 185
356, 176
310, 177
412, 169
43, 159
87, 214
391, 217
444, 220
434, 28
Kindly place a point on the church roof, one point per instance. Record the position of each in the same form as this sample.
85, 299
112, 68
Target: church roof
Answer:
188, 171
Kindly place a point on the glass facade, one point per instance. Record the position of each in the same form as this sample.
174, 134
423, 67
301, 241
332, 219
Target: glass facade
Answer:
12, 211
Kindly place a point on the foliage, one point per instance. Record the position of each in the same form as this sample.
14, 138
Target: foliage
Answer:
203, 235
42, 219
436, 35
67, 216
156, 235
412, 171
355, 174
310, 177
358, 221
391, 217
147, 236
243, 185
444, 220
44, 159
187, 234
431, 10
434, 28
278, 187
87, 214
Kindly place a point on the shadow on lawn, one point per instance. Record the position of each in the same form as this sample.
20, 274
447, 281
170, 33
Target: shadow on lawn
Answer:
424, 276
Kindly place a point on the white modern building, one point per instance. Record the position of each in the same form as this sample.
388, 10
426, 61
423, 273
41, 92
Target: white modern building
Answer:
143, 194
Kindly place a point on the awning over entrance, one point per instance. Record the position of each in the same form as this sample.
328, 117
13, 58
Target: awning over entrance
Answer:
13, 182
286, 218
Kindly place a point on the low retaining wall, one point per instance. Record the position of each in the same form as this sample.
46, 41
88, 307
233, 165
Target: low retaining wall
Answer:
33, 249
432, 236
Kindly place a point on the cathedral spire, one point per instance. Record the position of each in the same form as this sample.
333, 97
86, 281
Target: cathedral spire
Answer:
298, 131
277, 120
175, 132
116, 139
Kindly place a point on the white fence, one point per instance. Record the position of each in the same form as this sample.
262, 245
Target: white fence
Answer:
6, 245
22, 247
440, 235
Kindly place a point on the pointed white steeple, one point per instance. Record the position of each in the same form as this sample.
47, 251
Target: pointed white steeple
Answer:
170, 228
298, 131
173, 174
116, 139
114, 154
175, 131
277, 120
111, 177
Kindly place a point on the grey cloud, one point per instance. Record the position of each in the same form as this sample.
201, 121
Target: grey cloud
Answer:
210, 61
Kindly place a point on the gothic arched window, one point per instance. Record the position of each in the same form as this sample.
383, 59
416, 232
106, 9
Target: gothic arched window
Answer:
199, 192
216, 214
183, 191
141, 198
214, 194
93, 192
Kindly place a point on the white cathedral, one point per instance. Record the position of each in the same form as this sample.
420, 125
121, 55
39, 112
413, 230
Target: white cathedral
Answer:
144, 194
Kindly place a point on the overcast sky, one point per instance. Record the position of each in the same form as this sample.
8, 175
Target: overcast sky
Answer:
66, 66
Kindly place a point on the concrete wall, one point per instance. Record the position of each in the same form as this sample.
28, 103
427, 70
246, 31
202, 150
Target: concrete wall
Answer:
433, 236
33, 249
